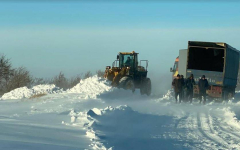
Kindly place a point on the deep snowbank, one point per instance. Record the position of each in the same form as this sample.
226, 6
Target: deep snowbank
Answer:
96, 87
87, 88
91, 87
109, 128
24, 92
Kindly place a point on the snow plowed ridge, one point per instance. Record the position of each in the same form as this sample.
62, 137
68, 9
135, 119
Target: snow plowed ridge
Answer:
24, 92
91, 87
87, 88
99, 88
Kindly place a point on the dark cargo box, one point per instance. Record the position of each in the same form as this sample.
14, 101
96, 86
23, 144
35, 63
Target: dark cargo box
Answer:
219, 62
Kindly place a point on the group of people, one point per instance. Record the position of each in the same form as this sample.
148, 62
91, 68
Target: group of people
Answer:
183, 88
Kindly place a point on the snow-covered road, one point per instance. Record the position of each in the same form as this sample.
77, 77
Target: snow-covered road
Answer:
93, 115
187, 127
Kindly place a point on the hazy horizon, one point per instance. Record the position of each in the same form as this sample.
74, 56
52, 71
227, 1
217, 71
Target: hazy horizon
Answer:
77, 37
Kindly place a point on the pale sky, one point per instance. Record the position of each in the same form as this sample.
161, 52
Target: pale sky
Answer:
74, 37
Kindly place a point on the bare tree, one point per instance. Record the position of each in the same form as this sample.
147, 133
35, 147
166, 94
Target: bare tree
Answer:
100, 73
6, 72
87, 75
20, 77
74, 81
38, 81
60, 81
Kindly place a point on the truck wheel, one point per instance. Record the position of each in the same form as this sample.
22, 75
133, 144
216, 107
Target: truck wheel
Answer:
146, 87
127, 83
227, 95
230, 95
224, 95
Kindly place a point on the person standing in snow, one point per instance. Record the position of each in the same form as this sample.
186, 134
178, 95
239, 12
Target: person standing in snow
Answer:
183, 87
177, 84
203, 86
189, 85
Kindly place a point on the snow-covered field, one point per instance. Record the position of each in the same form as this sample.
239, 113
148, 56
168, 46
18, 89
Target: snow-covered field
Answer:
93, 115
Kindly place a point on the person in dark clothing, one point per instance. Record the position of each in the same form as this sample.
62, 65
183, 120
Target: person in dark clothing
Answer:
189, 85
177, 84
128, 62
203, 86
183, 86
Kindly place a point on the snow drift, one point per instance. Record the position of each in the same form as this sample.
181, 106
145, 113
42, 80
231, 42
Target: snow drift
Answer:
25, 92
87, 88
201, 128
109, 128
91, 87
100, 88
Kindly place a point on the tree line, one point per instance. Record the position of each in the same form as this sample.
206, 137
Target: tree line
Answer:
12, 78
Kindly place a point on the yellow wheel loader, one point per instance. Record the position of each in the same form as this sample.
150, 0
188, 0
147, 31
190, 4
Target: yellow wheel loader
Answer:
126, 73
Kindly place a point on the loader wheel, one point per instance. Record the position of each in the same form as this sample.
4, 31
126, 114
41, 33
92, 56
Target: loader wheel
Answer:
127, 83
146, 87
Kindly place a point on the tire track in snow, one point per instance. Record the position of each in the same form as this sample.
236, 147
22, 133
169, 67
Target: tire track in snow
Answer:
230, 132
185, 129
223, 136
233, 139
178, 134
196, 134
209, 135
226, 135
210, 124
181, 119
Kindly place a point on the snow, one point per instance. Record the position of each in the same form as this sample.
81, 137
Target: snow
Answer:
18, 93
24, 92
93, 115
97, 111
91, 87
48, 89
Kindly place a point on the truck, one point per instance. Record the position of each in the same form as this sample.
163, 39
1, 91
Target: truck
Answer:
218, 61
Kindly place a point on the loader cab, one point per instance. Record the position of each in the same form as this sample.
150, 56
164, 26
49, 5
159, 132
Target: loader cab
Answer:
128, 60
